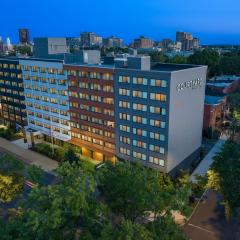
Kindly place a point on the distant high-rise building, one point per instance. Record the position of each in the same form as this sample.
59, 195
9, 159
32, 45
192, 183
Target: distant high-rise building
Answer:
24, 37
8, 44
113, 42
143, 42
90, 39
165, 42
1, 46
188, 41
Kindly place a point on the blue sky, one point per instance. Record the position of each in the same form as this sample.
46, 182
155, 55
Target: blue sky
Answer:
214, 21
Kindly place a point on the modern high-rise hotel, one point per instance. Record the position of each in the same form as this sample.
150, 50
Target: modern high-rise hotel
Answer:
121, 108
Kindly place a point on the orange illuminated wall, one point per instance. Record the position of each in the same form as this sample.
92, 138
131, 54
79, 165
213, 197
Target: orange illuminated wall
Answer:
91, 99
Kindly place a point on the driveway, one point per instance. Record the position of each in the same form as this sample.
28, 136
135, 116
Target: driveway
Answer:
28, 156
208, 221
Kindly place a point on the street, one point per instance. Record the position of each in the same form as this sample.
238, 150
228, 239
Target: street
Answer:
208, 221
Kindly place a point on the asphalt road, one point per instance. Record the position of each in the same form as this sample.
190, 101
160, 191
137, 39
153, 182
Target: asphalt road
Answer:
208, 221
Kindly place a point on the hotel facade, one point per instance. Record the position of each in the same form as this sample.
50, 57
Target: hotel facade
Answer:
125, 109
12, 100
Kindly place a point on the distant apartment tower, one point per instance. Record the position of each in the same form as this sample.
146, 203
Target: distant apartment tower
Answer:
90, 39
143, 42
24, 37
43, 47
113, 42
187, 40
165, 42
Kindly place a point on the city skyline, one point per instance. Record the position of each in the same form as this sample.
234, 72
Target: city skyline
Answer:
128, 20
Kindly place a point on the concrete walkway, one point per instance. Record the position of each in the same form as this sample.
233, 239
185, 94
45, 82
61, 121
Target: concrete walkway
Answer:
29, 156
205, 164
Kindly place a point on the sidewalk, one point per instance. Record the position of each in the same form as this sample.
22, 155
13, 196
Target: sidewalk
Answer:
205, 164
29, 156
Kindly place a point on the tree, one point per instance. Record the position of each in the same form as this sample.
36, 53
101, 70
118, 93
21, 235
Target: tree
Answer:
158, 57
207, 57
56, 211
165, 228
141, 191
9, 164
35, 174
11, 177
10, 187
178, 60
224, 176
70, 155
24, 50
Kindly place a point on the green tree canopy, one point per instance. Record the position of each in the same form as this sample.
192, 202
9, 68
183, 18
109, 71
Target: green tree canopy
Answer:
225, 175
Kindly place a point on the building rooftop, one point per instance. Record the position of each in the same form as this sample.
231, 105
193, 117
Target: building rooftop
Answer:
219, 84
213, 100
166, 67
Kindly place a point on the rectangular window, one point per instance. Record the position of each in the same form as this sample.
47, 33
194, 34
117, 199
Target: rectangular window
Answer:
157, 136
139, 156
158, 110
156, 161
124, 92
157, 123
157, 149
158, 97
158, 83
124, 79
139, 94
140, 80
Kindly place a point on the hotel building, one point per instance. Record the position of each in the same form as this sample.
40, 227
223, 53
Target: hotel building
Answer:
91, 98
12, 104
46, 98
124, 109
159, 113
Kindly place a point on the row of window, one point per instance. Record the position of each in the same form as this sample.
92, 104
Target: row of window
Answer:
142, 107
93, 98
92, 119
143, 133
139, 94
48, 127
13, 117
142, 120
11, 83
46, 99
46, 90
10, 66
143, 81
43, 70
10, 75
47, 109
94, 109
93, 130
48, 118
93, 140
141, 156
94, 75
11, 100
11, 91
44, 80
91, 86
141, 144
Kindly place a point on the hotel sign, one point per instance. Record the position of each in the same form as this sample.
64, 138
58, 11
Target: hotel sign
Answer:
193, 84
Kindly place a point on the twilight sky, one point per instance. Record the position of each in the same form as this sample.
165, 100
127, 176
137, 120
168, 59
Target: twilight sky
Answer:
214, 21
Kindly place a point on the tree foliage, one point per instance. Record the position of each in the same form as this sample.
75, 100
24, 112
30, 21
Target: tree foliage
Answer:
224, 175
